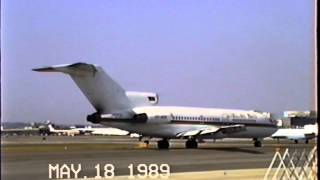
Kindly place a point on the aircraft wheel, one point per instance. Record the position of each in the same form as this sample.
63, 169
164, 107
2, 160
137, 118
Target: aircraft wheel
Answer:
296, 141
257, 143
163, 144
191, 144
307, 141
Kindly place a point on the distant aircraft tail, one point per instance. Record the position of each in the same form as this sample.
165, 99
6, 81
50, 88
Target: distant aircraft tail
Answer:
50, 127
103, 92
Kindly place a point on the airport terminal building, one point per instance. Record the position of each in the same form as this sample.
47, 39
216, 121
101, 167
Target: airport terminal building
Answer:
300, 118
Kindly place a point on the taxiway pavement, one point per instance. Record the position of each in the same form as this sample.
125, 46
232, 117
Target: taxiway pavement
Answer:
29, 157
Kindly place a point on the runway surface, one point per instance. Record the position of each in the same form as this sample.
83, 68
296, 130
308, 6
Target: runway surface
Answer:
28, 157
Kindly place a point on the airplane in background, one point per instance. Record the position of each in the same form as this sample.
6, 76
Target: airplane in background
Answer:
102, 131
109, 131
136, 112
83, 130
17, 129
90, 130
306, 133
20, 131
67, 132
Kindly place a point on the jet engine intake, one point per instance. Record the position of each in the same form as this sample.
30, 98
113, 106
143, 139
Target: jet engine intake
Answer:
94, 118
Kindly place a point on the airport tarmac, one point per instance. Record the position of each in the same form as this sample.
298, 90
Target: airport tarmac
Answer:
28, 157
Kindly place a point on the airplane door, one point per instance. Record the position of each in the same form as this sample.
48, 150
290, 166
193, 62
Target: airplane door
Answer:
201, 119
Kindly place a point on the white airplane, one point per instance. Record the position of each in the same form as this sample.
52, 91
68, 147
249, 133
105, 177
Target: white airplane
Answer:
109, 131
83, 130
67, 132
306, 133
136, 112
94, 131
113, 132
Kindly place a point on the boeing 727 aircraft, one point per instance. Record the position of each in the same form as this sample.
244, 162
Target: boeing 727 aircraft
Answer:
136, 112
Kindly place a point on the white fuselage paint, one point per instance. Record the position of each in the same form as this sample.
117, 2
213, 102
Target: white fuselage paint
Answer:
171, 130
168, 121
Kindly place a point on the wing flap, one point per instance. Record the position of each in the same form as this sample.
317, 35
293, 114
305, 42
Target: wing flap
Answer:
212, 130
232, 129
209, 131
189, 133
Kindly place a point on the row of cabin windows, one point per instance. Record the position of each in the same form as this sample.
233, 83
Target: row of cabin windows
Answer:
200, 118
211, 118
195, 118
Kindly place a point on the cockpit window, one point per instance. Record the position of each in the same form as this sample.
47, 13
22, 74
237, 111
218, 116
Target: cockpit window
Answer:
151, 98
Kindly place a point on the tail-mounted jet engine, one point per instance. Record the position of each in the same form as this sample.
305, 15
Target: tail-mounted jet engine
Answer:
94, 118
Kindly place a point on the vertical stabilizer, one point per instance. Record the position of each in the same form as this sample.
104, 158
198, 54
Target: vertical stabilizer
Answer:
51, 129
104, 93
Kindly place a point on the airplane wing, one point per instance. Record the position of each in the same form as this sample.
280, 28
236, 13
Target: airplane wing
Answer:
213, 130
280, 137
310, 135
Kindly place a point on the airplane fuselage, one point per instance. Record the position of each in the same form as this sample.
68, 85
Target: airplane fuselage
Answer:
169, 121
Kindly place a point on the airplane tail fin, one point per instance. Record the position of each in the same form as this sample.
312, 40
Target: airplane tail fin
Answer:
50, 127
104, 93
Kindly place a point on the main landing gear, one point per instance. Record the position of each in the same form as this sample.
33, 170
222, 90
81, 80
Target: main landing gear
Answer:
163, 144
191, 144
145, 143
257, 143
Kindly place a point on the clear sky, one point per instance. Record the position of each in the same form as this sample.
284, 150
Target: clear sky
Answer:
248, 54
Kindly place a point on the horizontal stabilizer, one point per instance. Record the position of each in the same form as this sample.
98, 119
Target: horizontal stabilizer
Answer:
104, 93
72, 69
